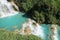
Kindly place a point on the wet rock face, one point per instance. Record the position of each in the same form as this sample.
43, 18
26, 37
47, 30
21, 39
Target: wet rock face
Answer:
53, 27
26, 27
54, 32
31, 27
27, 30
13, 5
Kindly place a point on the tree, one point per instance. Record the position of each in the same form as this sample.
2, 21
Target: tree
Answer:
38, 17
46, 11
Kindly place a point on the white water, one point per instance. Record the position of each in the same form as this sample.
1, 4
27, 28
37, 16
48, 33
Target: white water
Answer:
6, 9
55, 33
35, 30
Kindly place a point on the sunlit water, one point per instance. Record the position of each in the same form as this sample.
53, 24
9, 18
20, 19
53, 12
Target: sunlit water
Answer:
11, 20
16, 21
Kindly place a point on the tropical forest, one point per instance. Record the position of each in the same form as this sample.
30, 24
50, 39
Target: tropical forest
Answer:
29, 19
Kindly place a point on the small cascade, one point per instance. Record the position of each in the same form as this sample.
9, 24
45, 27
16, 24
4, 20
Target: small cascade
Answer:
54, 32
31, 27
6, 9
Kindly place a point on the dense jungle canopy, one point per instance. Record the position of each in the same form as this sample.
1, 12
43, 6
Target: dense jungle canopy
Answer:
42, 11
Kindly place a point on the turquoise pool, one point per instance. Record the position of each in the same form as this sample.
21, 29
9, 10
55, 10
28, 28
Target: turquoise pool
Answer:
12, 21
46, 29
15, 22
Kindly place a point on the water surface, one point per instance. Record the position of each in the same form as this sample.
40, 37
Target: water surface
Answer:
14, 22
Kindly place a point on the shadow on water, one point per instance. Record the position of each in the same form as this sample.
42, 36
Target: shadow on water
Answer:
25, 16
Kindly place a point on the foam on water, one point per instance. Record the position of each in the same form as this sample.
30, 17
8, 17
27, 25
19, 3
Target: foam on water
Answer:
55, 32
35, 30
6, 9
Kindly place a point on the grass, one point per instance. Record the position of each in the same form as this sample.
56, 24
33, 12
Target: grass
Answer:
7, 35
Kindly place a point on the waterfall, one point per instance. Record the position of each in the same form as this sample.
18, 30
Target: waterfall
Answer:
6, 9
33, 28
54, 34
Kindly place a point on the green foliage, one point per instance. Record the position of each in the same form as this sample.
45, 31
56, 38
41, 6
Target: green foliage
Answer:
39, 17
26, 4
53, 19
46, 11
6, 35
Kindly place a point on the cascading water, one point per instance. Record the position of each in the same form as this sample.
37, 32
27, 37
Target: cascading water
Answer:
33, 28
6, 9
54, 35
